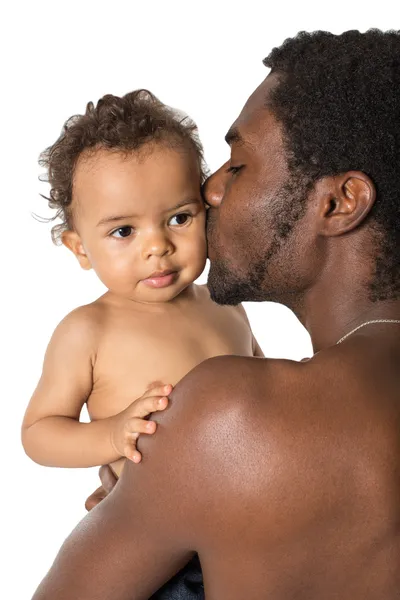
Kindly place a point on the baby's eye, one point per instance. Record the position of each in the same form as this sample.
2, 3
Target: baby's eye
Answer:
122, 232
180, 219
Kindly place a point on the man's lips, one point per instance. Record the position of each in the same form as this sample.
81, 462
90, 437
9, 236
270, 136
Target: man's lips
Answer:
160, 279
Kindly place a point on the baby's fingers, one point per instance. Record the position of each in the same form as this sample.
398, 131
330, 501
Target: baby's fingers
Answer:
157, 389
149, 404
133, 428
131, 452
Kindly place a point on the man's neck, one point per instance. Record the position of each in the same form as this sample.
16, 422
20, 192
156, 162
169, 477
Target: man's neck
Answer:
339, 303
330, 323
340, 298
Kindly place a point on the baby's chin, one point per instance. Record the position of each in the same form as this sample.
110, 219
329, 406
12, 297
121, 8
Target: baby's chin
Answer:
151, 296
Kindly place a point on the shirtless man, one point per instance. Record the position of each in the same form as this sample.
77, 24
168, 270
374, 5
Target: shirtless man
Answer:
286, 482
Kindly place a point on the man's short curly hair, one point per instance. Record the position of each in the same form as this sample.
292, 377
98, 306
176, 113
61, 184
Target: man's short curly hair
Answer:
120, 124
339, 104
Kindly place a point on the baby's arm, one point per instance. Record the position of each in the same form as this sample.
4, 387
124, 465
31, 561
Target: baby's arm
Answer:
51, 432
256, 347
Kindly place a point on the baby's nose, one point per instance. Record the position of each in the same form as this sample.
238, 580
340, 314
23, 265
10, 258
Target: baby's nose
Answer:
156, 244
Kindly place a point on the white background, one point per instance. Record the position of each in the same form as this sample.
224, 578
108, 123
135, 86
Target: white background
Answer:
203, 57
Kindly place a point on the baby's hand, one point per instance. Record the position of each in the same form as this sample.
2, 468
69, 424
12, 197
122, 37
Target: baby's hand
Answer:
130, 423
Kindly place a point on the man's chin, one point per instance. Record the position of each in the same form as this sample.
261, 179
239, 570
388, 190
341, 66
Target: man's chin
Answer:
225, 289
220, 297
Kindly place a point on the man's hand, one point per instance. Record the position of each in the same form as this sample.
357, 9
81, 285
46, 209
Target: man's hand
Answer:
131, 422
108, 480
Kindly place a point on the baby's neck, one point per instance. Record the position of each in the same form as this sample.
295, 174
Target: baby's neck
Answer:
188, 295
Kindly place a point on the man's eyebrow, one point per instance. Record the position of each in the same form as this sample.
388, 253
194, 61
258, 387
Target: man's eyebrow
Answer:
234, 135
114, 218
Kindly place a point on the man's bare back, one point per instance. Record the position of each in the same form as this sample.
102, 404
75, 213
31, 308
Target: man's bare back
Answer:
291, 495
316, 513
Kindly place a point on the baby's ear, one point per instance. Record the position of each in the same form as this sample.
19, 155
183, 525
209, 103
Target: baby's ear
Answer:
72, 241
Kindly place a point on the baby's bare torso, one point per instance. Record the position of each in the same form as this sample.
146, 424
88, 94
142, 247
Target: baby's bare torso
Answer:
139, 345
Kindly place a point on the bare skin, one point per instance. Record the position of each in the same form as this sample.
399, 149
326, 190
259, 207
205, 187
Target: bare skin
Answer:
141, 331
287, 478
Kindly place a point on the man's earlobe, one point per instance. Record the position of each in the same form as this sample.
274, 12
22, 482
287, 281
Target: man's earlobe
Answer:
72, 241
347, 200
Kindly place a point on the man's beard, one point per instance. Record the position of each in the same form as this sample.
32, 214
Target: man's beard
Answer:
227, 286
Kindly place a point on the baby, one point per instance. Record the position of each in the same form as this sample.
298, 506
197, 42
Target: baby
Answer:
126, 181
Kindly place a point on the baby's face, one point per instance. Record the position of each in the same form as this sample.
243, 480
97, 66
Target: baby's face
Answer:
140, 221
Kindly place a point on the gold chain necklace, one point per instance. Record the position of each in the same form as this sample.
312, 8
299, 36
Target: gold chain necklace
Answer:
367, 323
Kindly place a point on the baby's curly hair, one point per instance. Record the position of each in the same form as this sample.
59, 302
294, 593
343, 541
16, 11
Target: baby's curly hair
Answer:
339, 104
121, 124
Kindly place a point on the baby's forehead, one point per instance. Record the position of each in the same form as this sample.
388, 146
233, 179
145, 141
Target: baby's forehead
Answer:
94, 163
145, 179
93, 160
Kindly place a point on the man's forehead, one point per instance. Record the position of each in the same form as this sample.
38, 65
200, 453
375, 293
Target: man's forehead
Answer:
256, 117
259, 99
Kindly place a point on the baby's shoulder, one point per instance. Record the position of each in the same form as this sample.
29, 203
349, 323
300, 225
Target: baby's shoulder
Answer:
82, 325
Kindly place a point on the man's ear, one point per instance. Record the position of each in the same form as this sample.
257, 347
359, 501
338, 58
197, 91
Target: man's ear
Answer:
72, 241
346, 200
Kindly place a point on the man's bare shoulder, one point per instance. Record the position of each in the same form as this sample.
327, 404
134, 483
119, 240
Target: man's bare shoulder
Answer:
231, 409
261, 388
235, 383
223, 416
244, 370
243, 424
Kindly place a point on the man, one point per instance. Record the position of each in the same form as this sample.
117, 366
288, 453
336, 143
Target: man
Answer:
284, 477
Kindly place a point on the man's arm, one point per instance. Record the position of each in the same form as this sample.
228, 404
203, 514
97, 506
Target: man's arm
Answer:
166, 508
145, 530
115, 553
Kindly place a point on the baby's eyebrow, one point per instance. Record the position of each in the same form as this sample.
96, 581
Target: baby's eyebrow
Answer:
184, 203
111, 219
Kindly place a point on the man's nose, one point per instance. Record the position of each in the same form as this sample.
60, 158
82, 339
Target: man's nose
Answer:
156, 243
214, 187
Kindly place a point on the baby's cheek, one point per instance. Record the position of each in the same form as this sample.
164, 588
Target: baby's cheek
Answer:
199, 260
